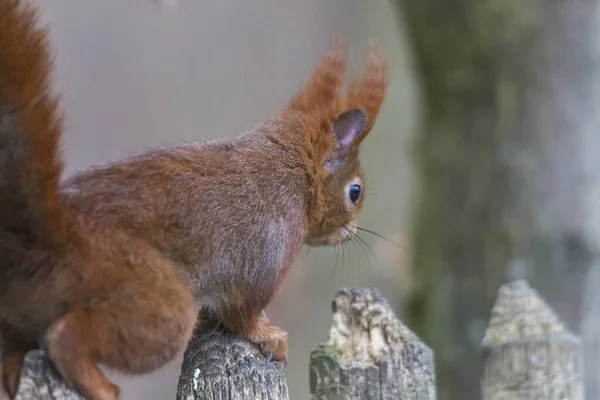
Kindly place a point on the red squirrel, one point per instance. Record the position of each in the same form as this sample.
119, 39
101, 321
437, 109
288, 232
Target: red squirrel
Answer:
110, 266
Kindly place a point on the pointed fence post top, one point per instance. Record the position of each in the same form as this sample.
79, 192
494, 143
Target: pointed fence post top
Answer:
520, 313
527, 351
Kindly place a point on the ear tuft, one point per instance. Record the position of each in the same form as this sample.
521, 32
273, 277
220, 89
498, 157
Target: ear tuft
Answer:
320, 96
368, 92
348, 126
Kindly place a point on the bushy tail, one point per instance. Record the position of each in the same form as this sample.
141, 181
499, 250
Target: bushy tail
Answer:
30, 131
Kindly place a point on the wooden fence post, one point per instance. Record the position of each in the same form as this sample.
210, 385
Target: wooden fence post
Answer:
40, 380
528, 353
220, 366
216, 365
370, 354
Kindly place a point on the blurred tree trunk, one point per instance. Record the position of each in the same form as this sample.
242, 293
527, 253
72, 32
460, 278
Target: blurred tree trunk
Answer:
508, 89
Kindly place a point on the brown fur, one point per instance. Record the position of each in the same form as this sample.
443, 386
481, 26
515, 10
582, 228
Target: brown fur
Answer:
109, 266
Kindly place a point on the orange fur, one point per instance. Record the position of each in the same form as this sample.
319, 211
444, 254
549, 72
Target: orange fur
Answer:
321, 95
323, 98
368, 93
107, 266
27, 106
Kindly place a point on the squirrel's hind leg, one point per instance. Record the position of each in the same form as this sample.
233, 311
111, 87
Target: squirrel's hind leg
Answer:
136, 329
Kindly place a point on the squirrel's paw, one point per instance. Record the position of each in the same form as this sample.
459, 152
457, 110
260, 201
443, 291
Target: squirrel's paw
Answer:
272, 341
274, 346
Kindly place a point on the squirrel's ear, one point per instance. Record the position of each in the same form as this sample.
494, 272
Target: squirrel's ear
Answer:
348, 126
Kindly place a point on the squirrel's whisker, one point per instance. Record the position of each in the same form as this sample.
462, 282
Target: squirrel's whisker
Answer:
387, 240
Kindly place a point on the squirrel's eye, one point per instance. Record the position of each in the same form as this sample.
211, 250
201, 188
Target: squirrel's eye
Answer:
354, 193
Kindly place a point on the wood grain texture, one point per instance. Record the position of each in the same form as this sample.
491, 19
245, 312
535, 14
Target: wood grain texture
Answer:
528, 353
218, 365
41, 381
370, 354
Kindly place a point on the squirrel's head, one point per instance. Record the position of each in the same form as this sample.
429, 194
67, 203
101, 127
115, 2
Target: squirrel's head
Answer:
337, 123
342, 187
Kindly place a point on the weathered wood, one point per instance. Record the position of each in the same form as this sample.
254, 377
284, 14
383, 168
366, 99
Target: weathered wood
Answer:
528, 353
216, 365
41, 381
370, 354
221, 366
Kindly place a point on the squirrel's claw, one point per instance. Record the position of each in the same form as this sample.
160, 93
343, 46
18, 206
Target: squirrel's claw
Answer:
283, 360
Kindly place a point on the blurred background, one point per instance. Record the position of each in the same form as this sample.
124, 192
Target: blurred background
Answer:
484, 165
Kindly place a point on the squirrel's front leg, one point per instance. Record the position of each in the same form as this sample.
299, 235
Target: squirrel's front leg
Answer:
254, 326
